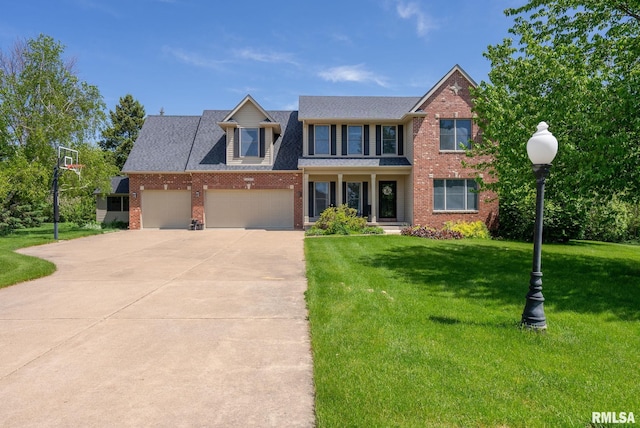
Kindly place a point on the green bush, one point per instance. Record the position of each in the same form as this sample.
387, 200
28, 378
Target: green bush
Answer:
340, 220
612, 221
475, 229
20, 216
78, 210
430, 233
562, 221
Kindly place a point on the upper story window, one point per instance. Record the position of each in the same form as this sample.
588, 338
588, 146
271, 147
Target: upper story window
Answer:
455, 134
249, 142
389, 140
354, 140
322, 141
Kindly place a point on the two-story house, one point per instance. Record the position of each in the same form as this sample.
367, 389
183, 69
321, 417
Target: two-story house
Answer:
396, 160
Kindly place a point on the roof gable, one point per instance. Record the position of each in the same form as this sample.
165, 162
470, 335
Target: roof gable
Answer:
436, 87
245, 101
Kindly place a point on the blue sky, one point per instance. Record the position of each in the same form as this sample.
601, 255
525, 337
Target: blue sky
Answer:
186, 56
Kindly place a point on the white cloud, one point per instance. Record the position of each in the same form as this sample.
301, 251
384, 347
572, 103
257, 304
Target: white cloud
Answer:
412, 10
193, 58
352, 73
260, 56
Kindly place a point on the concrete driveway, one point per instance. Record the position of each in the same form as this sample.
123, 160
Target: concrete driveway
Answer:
160, 328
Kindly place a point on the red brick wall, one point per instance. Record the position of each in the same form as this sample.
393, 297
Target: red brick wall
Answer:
429, 163
213, 180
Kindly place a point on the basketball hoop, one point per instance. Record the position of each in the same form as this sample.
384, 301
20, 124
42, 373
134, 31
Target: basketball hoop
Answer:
75, 167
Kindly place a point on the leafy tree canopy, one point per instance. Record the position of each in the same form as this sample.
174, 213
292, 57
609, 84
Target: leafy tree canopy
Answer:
574, 64
42, 101
126, 122
43, 104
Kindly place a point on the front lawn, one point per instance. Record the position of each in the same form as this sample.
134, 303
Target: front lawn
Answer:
408, 332
16, 267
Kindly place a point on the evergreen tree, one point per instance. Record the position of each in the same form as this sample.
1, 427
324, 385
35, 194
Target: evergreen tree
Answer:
126, 122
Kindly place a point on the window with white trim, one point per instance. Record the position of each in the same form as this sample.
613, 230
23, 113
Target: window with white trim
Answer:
249, 142
455, 195
455, 134
354, 140
322, 140
389, 140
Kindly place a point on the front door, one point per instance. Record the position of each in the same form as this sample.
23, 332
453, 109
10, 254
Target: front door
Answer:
388, 200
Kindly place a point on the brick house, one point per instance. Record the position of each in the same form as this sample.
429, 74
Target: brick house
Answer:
397, 160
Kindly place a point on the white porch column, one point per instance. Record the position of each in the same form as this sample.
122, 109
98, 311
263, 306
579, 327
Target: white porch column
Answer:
374, 199
339, 191
305, 197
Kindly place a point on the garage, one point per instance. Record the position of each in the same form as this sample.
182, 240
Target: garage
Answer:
166, 209
263, 209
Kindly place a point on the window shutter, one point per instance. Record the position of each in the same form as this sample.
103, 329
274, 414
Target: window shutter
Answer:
262, 148
365, 199
344, 140
332, 193
344, 192
333, 140
378, 140
311, 140
366, 140
236, 142
400, 140
311, 210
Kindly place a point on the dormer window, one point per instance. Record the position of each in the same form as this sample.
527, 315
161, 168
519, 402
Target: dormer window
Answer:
249, 142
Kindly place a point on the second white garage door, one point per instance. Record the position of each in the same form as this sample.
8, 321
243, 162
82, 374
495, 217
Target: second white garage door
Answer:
264, 209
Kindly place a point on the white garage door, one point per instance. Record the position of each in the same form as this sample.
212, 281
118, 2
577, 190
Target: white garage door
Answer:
166, 209
264, 209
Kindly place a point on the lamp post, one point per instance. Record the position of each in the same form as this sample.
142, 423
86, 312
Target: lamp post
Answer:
541, 148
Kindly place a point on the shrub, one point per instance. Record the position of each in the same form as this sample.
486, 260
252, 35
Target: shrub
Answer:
78, 210
611, 221
20, 216
430, 233
340, 220
373, 230
475, 229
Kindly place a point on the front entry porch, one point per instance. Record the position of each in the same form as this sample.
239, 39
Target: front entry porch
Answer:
383, 198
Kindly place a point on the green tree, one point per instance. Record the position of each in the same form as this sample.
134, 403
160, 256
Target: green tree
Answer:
43, 104
576, 65
126, 122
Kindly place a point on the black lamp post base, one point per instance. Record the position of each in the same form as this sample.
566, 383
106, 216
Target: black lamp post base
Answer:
533, 316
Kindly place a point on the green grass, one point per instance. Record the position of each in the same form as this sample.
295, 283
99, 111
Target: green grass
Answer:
15, 268
408, 332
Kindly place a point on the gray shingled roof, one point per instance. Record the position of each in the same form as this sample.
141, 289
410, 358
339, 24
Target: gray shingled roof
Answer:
163, 145
198, 143
336, 107
352, 162
119, 185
